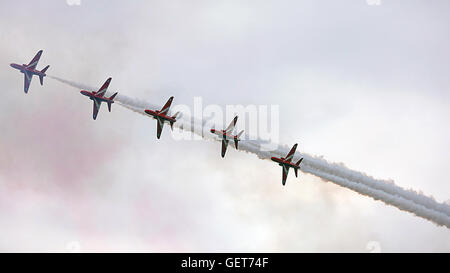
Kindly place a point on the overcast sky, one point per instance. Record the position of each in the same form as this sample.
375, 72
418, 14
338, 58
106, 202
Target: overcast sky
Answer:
366, 85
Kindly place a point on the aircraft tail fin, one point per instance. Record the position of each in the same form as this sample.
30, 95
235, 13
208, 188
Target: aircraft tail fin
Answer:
45, 69
176, 114
237, 139
112, 101
174, 117
113, 96
298, 166
42, 75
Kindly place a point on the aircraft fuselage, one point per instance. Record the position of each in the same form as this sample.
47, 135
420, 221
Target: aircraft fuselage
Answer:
24, 69
93, 96
157, 115
222, 134
282, 161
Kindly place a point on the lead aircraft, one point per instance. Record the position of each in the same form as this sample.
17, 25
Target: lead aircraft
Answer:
29, 70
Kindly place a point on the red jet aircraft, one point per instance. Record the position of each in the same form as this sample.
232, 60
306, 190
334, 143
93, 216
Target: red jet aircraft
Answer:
285, 162
99, 97
162, 116
226, 136
29, 70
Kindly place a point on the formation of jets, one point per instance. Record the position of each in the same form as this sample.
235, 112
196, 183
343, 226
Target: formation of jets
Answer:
162, 116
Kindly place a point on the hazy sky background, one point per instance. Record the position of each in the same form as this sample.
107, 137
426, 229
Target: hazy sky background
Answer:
359, 84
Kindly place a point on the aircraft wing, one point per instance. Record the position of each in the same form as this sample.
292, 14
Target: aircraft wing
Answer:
290, 155
232, 125
96, 108
27, 81
160, 126
166, 106
101, 92
224, 146
285, 174
35, 60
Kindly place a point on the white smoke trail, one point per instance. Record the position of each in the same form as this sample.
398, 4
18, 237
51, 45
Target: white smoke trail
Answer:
385, 191
339, 170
